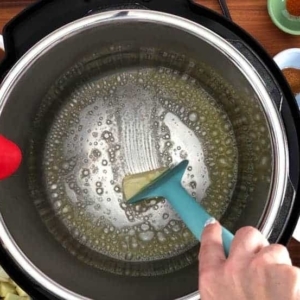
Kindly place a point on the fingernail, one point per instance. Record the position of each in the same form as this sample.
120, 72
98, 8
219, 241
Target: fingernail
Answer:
210, 221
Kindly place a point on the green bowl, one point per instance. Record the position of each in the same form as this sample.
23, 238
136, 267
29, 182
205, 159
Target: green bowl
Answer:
282, 19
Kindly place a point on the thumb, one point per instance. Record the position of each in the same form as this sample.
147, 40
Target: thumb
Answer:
211, 251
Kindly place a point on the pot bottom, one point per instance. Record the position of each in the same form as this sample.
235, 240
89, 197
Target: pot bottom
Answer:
98, 129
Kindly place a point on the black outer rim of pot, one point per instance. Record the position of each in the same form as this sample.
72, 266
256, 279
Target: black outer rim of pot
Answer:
18, 41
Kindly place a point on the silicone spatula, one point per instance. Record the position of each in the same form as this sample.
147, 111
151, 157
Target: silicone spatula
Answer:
168, 185
10, 157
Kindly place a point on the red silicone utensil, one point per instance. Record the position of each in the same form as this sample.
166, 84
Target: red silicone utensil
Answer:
10, 157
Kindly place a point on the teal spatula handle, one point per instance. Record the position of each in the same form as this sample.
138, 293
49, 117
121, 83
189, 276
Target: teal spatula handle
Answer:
193, 214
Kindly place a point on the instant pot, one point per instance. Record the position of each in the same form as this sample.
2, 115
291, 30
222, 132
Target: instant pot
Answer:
94, 90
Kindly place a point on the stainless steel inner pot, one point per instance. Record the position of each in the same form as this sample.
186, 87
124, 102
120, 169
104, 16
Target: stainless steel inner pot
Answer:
123, 92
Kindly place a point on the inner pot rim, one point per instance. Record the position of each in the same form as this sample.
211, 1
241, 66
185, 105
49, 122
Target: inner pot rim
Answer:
276, 128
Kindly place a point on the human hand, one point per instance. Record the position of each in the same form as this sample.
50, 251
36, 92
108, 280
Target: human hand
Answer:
254, 269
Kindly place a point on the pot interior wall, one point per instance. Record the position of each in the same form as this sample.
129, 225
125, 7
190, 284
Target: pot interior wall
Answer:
100, 52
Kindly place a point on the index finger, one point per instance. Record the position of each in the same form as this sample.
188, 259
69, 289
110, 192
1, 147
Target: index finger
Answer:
211, 251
